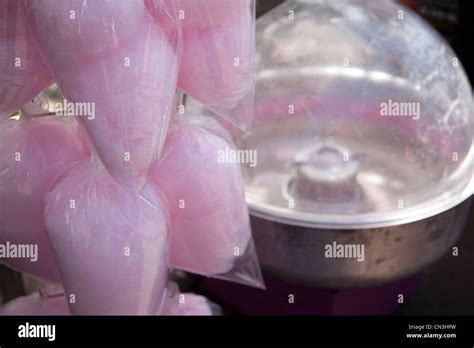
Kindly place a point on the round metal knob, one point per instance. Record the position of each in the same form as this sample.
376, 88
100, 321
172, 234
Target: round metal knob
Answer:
325, 172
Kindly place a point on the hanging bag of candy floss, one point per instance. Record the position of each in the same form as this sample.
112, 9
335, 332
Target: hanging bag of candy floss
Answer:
210, 229
23, 72
117, 70
111, 245
34, 150
36, 304
182, 304
55, 303
218, 59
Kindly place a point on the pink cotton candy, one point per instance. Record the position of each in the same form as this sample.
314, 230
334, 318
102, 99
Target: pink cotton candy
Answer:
190, 304
209, 218
23, 72
177, 303
115, 57
219, 38
84, 31
110, 244
36, 304
218, 59
33, 151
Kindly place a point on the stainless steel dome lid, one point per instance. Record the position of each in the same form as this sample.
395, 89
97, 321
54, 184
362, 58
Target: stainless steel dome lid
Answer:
364, 118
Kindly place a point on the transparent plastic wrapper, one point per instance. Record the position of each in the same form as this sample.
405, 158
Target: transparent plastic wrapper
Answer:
218, 58
48, 300
177, 303
36, 304
110, 244
117, 70
55, 303
33, 151
23, 72
210, 230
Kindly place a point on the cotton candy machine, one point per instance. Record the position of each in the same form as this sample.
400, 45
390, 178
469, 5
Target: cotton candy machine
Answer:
364, 132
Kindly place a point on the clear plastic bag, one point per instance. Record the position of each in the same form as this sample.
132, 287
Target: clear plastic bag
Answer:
33, 151
218, 58
23, 72
36, 304
110, 244
210, 229
117, 66
177, 303
118, 69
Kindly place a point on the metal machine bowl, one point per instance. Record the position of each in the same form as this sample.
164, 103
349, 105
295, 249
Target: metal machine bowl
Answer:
364, 138
296, 254
310, 193
332, 168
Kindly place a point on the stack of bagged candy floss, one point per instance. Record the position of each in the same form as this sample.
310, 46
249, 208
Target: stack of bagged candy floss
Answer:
128, 188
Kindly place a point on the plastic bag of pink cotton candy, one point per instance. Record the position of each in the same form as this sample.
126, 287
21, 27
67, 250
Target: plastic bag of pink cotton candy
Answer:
117, 68
175, 304
34, 150
23, 72
210, 229
218, 58
178, 303
110, 245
